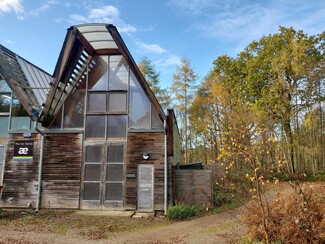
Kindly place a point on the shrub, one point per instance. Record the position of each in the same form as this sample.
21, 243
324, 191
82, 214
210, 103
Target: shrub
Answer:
298, 218
181, 211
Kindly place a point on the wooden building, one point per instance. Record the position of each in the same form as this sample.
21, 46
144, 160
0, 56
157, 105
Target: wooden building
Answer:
90, 136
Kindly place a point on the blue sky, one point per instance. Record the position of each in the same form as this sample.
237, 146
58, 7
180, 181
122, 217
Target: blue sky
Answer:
162, 30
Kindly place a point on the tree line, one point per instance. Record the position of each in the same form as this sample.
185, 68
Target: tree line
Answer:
262, 109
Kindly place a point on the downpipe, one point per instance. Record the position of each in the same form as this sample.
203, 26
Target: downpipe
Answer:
165, 170
40, 165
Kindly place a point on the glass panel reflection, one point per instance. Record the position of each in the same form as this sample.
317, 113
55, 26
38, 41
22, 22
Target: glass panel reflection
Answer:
93, 154
92, 172
115, 154
156, 122
98, 74
91, 191
118, 73
74, 109
116, 126
117, 102
4, 122
4, 86
114, 191
5, 100
19, 116
97, 102
95, 126
114, 172
139, 106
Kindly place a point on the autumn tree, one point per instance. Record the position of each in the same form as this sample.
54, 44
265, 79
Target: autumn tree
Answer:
274, 75
152, 77
183, 89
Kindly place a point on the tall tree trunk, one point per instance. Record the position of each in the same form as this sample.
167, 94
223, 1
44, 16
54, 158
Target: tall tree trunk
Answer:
288, 132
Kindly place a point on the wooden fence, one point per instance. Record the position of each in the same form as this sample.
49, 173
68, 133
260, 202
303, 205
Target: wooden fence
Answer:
193, 186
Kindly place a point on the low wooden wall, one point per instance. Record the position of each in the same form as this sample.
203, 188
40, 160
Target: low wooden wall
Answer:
193, 186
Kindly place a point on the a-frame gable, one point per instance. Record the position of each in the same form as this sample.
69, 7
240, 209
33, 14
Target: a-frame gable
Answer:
81, 48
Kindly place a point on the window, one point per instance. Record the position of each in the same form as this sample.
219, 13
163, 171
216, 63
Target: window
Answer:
95, 126
5, 101
118, 73
110, 159
19, 117
4, 123
109, 73
116, 126
73, 116
114, 173
97, 102
98, 75
117, 102
92, 175
139, 112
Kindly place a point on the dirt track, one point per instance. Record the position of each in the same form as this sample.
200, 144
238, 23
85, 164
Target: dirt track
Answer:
220, 228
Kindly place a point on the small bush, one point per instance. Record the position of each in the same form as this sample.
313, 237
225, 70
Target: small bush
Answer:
181, 211
223, 195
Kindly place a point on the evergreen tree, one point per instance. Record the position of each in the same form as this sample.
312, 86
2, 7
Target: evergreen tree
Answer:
152, 77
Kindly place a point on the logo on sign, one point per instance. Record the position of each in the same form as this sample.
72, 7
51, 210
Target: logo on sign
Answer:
23, 150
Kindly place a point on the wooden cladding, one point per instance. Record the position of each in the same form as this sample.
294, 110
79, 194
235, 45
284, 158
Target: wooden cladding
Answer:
60, 173
20, 177
137, 144
61, 170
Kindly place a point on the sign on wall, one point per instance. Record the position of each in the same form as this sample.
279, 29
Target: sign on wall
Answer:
23, 150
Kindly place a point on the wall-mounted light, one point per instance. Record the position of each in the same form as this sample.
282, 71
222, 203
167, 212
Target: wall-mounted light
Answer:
146, 156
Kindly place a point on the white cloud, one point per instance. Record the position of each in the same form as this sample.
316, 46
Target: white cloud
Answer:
44, 7
7, 6
170, 60
106, 14
150, 48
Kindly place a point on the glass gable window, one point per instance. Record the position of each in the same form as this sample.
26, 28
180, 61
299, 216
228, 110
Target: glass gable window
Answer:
95, 126
97, 102
98, 76
118, 73
73, 116
116, 126
117, 102
139, 106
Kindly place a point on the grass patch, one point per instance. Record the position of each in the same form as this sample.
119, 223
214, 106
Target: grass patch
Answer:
181, 212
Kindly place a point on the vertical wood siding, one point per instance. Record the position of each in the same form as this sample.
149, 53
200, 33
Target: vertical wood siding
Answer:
193, 186
20, 180
137, 144
61, 170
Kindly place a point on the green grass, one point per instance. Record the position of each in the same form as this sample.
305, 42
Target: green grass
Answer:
181, 212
